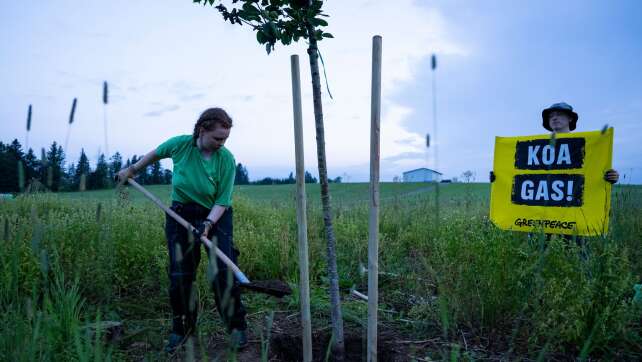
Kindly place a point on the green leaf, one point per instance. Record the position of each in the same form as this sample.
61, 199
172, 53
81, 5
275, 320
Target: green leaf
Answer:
318, 22
327, 35
272, 30
311, 13
260, 37
286, 38
249, 17
288, 26
318, 34
292, 13
250, 10
274, 8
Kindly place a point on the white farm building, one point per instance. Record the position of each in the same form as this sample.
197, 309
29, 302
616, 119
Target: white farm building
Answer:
422, 175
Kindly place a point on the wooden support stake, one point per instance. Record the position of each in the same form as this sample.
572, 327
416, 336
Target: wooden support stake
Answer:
301, 217
373, 227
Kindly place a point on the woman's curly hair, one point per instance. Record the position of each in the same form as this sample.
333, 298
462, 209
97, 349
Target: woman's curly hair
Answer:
209, 119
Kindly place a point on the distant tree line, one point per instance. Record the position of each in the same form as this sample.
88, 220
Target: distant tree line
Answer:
20, 171
242, 178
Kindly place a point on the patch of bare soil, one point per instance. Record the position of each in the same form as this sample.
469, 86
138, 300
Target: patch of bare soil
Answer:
286, 342
216, 348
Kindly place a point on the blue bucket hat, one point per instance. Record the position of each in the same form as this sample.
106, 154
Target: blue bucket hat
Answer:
564, 107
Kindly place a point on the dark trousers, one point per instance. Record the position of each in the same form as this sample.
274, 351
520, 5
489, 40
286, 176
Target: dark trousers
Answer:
184, 257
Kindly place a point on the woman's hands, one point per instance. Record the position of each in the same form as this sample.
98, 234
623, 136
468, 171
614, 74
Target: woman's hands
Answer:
206, 227
211, 219
132, 170
124, 174
203, 229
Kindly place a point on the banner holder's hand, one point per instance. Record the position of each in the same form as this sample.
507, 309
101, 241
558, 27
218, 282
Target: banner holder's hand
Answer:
611, 176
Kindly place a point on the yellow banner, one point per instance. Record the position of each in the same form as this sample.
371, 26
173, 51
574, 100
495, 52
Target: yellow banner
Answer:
555, 185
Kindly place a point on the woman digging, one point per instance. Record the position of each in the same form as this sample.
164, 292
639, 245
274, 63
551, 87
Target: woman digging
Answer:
202, 184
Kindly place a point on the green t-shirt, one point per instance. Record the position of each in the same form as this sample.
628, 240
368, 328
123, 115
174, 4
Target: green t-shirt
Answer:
195, 179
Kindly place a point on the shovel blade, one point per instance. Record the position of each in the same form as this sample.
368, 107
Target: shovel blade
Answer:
275, 288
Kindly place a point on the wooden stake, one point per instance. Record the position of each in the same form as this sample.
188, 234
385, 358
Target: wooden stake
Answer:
301, 217
373, 226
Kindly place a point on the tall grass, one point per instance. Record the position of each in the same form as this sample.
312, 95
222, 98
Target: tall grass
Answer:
49, 325
68, 261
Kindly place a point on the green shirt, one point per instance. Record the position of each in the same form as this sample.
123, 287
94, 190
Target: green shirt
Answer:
195, 179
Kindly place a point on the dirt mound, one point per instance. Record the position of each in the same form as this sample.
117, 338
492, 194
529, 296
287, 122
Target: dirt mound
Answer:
286, 342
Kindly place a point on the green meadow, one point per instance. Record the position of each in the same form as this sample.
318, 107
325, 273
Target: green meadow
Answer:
452, 285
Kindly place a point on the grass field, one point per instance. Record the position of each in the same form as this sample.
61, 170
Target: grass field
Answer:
346, 194
453, 287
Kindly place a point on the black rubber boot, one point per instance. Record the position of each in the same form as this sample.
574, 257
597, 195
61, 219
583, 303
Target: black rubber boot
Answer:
238, 339
175, 341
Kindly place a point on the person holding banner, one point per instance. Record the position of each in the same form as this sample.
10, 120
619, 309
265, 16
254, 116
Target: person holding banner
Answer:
560, 118
558, 184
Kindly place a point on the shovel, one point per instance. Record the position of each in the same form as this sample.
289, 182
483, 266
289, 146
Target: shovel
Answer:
274, 288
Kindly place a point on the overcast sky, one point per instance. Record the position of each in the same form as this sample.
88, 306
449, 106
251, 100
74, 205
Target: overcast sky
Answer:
499, 64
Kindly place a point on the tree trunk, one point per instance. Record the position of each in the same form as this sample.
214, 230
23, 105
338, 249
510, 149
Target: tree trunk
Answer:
338, 349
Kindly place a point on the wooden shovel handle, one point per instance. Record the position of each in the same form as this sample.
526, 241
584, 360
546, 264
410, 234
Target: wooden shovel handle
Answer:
237, 272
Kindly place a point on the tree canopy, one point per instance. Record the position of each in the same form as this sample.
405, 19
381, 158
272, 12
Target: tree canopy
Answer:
275, 21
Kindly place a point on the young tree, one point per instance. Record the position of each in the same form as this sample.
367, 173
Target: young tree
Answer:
287, 21
99, 178
55, 164
309, 179
156, 173
116, 162
82, 172
167, 177
68, 183
10, 157
31, 166
242, 177
468, 176
134, 160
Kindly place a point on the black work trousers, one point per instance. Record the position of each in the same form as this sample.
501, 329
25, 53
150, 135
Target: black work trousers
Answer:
184, 257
